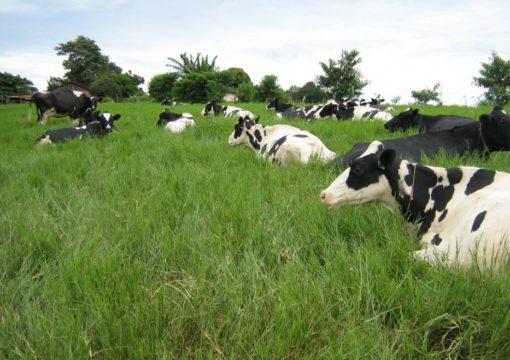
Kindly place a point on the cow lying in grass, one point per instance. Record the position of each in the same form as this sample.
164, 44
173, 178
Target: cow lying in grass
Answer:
216, 109
280, 144
166, 116
412, 119
178, 125
461, 212
491, 133
96, 124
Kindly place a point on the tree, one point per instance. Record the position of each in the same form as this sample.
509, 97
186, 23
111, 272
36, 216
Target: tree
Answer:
117, 86
85, 62
198, 87
426, 95
495, 77
189, 65
268, 88
245, 91
160, 86
309, 92
15, 85
341, 79
233, 77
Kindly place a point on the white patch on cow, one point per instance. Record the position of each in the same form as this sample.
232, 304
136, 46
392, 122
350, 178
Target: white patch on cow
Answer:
78, 93
187, 115
45, 140
295, 149
179, 125
360, 111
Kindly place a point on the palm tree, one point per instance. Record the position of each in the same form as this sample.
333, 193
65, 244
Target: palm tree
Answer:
188, 64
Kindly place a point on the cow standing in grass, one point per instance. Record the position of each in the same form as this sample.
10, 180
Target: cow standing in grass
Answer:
461, 212
62, 102
280, 144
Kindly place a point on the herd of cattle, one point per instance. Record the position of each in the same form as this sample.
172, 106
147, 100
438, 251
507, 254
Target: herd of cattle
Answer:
460, 212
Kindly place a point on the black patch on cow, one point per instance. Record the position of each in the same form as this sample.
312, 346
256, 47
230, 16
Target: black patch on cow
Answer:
478, 221
258, 135
300, 136
441, 196
238, 130
253, 141
436, 240
364, 172
443, 215
276, 145
369, 114
480, 179
454, 175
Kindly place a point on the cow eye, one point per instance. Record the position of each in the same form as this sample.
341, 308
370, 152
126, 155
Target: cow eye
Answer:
356, 170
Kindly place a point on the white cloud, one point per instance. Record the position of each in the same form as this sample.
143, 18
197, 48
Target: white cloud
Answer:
404, 46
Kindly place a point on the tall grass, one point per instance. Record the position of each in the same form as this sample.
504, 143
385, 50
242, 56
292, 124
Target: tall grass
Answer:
146, 244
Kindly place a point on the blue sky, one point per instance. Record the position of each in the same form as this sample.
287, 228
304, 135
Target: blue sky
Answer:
404, 45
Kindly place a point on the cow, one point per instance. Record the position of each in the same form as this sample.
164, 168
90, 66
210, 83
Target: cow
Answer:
365, 112
410, 118
62, 102
225, 110
167, 116
279, 144
96, 124
461, 212
278, 106
491, 133
178, 125
312, 112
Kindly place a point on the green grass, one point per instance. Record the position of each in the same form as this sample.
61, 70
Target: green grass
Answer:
146, 244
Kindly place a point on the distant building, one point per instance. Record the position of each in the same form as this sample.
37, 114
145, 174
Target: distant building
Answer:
230, 97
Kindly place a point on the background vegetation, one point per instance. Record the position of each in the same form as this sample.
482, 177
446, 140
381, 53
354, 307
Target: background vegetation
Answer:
151, 245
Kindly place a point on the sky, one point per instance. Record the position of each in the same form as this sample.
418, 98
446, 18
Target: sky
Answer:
404, 45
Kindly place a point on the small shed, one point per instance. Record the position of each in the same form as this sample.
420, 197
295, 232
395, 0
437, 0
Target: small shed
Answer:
230, 97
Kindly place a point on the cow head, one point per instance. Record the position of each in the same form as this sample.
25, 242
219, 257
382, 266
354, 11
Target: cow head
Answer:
100, 124
273, 104
329, 109
364, 180
403, 121
247, 132
211, 107
495, 129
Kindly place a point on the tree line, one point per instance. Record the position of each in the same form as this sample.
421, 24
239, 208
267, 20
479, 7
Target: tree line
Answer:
198, 79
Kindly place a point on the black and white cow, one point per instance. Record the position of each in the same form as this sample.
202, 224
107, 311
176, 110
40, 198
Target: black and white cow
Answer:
216, 109
62, 102
178, 125
410, 118
462, 212
96, 124
278, 106
491, 133
166, 116
280, 144
312, 112
365, 112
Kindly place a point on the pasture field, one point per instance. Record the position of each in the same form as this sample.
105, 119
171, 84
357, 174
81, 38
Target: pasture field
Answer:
152, 245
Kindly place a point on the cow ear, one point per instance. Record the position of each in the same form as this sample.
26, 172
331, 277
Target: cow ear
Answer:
415, 111
241, 121
257, 119
484, 118
116, 117
386, 158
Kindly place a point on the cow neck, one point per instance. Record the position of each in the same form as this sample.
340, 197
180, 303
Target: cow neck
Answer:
484, 144
405, 193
